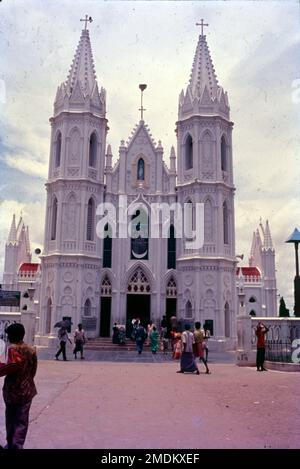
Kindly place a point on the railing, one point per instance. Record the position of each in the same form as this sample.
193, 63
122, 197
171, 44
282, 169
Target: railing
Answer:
279, 338
252, 279
69, 245
27, 274
280, 343
90, 246
279, 350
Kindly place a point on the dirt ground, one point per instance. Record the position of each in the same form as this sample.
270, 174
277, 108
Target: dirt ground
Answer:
148, 405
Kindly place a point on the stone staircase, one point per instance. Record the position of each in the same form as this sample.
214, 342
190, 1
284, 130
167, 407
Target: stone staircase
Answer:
105, 343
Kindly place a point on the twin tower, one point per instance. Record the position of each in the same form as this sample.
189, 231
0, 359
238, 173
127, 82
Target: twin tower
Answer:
99, 281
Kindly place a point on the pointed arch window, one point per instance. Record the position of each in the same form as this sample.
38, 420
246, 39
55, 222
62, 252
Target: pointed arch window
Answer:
189, 219
188, 152
140, 235
106, 289
90, 220
225, 224
107, 247
223, 154
93, 150
252, 299
141, 170
58, 150
208, 221
171, 288
138, 283
88, 307
171, 248
54, 219
188, 310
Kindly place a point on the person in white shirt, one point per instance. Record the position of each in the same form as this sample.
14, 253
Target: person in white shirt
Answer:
187, 361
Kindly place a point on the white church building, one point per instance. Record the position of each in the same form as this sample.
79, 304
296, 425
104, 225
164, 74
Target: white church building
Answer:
101, 280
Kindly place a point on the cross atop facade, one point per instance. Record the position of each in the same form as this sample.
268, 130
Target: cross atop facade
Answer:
202, 24
87, 19
142, 109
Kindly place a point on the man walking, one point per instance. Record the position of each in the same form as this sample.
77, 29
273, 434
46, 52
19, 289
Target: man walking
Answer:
62, 337
140, 337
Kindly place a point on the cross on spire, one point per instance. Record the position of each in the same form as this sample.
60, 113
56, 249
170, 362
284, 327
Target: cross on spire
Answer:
142, 109
87, 19
202, 24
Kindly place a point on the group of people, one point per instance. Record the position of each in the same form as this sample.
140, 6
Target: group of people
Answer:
79, 341
189, 346
118, 336
21, 366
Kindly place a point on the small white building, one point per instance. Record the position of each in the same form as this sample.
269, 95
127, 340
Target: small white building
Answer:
258, 280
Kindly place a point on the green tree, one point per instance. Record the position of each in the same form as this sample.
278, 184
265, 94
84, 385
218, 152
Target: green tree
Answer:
283, 311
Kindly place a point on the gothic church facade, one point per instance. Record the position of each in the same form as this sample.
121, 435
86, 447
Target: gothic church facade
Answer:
99, 281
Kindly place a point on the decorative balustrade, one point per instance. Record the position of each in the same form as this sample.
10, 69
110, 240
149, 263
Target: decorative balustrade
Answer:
69, 245
27, 274
90, 246
252, 279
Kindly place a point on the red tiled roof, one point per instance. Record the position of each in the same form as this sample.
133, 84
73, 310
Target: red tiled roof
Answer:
248, 271
29, 267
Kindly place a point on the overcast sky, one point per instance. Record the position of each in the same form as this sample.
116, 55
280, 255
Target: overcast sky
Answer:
255, 51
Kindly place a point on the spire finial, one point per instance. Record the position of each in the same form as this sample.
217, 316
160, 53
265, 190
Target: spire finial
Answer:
202, 24
87, 19
142, 109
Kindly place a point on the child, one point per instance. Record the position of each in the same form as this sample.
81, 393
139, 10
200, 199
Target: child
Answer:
79, 339
19, 388
177, 346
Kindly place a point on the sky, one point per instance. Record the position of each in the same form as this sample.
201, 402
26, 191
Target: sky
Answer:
255, 51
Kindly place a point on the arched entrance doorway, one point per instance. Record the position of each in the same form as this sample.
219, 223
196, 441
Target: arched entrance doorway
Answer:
138, 298
105, 312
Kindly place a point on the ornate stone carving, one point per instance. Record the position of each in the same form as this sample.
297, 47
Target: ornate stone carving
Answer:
89, 278
73, 172
188, 280
68, 276
208, 279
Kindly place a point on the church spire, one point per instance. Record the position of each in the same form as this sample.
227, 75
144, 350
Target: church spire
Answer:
268, 244
82, 69
203, 74
12, 237
28, 249
203, 94
80, 91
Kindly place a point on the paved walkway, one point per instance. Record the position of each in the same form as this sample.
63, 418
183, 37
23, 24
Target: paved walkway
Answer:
130, 356
84, 404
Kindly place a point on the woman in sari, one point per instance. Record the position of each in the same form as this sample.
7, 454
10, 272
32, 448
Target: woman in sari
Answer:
177, 346
187, 362
154, 340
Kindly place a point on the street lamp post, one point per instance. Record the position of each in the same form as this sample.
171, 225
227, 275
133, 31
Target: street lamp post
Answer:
295, 238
